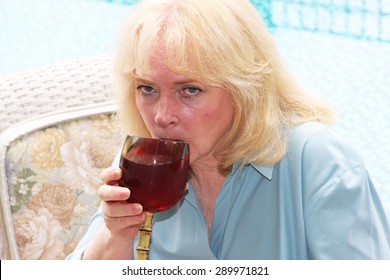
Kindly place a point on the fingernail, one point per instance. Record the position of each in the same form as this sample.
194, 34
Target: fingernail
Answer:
116, 172
137, 208
124, 191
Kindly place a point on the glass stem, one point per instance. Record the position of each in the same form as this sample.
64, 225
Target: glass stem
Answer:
145, 231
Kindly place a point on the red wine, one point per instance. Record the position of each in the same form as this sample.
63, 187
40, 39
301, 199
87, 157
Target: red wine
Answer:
157, 183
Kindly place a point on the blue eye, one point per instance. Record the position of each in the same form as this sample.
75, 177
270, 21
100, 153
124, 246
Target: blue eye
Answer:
146, 90
191, 91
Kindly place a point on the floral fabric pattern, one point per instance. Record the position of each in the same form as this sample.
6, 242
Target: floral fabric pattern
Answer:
54, 177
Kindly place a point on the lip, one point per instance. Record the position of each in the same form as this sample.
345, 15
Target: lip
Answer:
173, 139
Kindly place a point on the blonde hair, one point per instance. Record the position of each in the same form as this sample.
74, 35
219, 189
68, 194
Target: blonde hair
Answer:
222, 43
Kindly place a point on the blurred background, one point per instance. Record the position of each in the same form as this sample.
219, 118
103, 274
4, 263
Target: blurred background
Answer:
338, 49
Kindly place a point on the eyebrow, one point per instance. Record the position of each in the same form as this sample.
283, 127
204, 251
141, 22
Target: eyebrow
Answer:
176, 82
141, 80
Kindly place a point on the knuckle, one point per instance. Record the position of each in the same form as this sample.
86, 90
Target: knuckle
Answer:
102, 192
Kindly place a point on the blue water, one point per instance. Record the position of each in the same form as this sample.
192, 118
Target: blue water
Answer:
34, 33
353, 75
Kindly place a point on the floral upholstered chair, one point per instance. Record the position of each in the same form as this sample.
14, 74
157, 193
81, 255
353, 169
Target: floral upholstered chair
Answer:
49, 175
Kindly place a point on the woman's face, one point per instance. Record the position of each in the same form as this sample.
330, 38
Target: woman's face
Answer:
175, 107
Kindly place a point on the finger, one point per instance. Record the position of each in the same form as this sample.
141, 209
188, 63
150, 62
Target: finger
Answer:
111, 175
113, 193
121, 209
122, 223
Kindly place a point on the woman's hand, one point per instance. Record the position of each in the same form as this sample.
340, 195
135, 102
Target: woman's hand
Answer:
115, 240
122, 219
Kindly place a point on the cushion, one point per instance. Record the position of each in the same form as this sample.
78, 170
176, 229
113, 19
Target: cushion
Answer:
50, 168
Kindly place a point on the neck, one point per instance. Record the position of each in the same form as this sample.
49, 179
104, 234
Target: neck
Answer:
206, 176
207, 181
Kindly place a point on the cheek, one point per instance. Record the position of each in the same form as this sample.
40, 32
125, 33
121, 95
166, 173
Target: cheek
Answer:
138, 106
144, 111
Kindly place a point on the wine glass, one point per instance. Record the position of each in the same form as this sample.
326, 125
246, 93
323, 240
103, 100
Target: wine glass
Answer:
156, 172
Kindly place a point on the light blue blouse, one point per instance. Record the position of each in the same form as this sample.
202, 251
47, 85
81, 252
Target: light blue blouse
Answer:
318, 202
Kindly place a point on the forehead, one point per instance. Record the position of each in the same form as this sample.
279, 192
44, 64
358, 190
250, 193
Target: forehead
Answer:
159, 62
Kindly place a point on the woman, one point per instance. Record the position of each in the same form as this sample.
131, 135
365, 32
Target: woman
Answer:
268, 178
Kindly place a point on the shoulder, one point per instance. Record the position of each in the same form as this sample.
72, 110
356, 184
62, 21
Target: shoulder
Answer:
320, 156
317, 142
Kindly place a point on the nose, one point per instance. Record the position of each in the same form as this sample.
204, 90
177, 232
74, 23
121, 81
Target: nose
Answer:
165, 112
